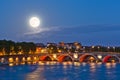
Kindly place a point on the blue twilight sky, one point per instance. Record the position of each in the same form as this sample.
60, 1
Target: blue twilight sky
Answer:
90, 22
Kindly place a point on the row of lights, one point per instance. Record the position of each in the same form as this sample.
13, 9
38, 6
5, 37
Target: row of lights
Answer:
99, 47
76, 56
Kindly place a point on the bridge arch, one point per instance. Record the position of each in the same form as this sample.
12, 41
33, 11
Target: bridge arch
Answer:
45, 58
64, 58
111, 58
88, 58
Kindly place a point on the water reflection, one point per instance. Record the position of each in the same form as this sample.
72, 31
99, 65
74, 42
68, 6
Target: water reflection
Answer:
99, 64
60, 71
113, 65
36, 75
92, 67
110, 65
76, 64
111, 72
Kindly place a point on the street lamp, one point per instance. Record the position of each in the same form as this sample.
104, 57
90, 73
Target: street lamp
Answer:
108, 48
99, 56
84, 49
93, 48
98, 48
75, 55
113, 49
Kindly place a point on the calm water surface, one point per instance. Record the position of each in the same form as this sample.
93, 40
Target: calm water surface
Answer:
64, 71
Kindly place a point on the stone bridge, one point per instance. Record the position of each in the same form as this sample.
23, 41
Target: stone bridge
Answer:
62, 57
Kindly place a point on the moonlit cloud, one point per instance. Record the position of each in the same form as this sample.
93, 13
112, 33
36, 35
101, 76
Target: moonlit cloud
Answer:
41, 30
85, 34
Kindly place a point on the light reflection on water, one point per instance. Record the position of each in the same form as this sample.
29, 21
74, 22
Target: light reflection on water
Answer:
61, 71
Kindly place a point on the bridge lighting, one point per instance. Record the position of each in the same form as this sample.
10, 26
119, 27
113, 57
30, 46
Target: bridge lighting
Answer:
54, 56
11, 60
11, 64
76, 63
23, 59
28, 58
2, 60
75, 55
17, 59
35, 58
113, 61
99, 56
42, 51
59, 51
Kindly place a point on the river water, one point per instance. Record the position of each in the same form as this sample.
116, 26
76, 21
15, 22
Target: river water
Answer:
61, 71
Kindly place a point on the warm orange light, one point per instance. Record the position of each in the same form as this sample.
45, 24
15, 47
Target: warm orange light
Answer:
75, 55
11, 60
28, 58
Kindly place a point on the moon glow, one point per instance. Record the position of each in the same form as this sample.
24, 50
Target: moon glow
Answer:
34, 22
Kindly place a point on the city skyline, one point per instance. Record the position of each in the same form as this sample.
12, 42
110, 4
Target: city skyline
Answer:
89, 22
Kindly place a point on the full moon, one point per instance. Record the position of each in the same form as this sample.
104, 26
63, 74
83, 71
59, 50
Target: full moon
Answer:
34, 22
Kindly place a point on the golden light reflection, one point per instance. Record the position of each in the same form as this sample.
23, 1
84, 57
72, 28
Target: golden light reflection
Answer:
113, 65
65, 66
92, 67
99, 64
34, 62
37, 74
47, 63
52, 62
64, 63
22, 63
84, 64
76, 64
29, 62
41, 63
11, 64
108, 65
69, 63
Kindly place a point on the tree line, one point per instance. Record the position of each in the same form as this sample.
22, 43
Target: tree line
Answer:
7, 47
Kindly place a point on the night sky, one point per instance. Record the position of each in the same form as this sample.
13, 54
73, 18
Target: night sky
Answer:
91, 22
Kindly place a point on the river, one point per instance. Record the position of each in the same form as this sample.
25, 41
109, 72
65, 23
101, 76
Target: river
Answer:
61, 71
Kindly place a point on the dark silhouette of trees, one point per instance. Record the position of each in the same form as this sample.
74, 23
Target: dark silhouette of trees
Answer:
8, 47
